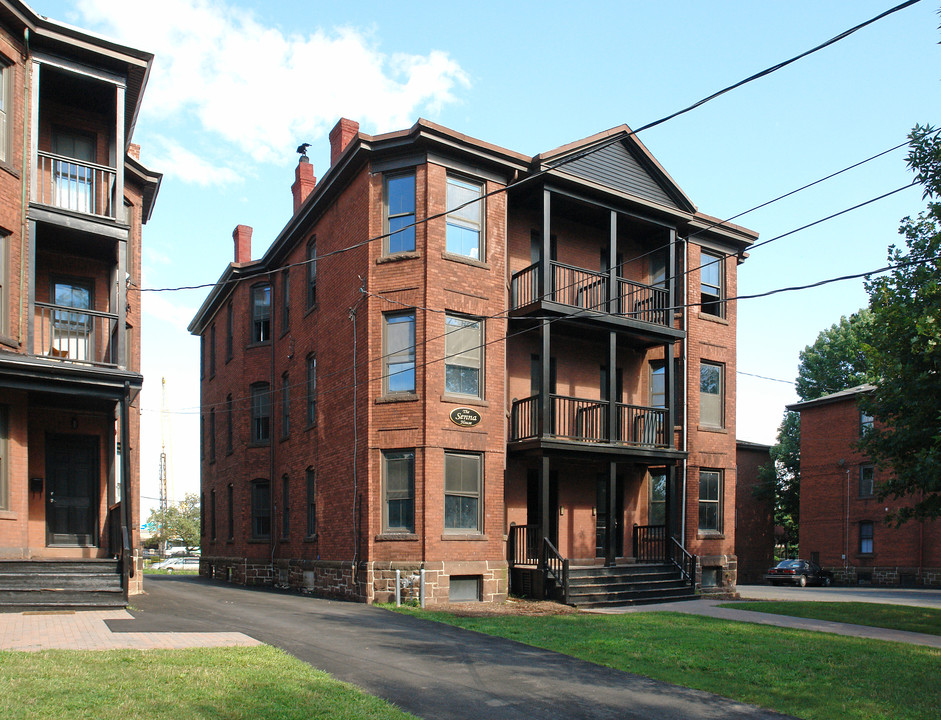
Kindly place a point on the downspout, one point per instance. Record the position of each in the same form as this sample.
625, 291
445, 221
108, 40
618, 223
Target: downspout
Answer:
272, 493
355, 525
126, 517
684, 348
27, 113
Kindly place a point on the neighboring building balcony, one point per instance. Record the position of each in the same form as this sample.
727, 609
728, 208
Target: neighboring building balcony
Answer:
585, 422
76, 335
78, 186
590, 294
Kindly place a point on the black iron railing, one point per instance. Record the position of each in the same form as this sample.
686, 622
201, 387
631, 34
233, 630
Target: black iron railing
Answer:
639, 425
556, 567
522, 545
685, 561
76, 334
75, 185
643, 302
650, 543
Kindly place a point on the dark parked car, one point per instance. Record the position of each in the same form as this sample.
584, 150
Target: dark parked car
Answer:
799, 572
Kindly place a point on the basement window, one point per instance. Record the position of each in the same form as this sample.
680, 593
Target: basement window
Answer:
465, 588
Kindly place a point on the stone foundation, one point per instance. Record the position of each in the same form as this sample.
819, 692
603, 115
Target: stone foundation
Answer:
374, 582
136, 584
720, 573
885, 576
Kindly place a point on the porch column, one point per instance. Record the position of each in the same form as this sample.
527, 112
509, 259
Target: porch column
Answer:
119, 142
668, 506
612, 529
31, 293
671, 278
669, 389
545, 269
613, 269
613, 434
120, 295
127, 525
545, 384
544, 508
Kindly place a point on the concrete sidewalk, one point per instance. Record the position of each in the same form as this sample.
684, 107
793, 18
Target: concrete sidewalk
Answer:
88, 630
711, 608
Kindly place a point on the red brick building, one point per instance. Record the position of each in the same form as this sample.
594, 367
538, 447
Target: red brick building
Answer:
453, 351
73, 197
842, 521
754, 515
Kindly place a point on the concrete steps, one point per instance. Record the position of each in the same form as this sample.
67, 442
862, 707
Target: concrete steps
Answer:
60, 585
593, 587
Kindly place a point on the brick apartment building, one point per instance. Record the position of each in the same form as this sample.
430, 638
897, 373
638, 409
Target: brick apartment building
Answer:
73, 197
842, 522
453, 351
754, 516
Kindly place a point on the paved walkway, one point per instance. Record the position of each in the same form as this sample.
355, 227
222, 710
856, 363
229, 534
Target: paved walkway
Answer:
711, 608
87, 630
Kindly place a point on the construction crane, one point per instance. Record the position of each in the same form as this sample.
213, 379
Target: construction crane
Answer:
164, 435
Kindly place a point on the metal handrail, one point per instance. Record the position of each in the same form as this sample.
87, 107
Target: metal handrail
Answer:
686, 562
552, 563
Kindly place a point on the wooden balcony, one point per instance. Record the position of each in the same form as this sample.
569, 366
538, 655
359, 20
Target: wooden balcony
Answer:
587, 293
69, 184
76, 335
585, 421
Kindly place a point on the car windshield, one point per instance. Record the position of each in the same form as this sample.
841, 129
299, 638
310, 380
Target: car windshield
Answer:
789, 564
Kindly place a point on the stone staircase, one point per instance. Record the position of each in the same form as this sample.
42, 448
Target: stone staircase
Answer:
60, 585
636, 584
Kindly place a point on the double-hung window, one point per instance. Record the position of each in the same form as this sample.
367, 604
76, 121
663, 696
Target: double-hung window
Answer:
465, 218
285, 300
711, 395
867, 476
230, 512
398, 476
710, 500
212, 351
399, 206
311, 272
657, 509
212, 435
311, 502
285, 507
658, 388
462, 491
229, 410
261, 313
229, 332
711, 276
261, 413
311, 389
866, 537
261, 509
463, 350
285, 406
6, 107
212, 515
865, 422
399, 365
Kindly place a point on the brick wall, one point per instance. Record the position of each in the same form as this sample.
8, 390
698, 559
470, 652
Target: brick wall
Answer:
754, 517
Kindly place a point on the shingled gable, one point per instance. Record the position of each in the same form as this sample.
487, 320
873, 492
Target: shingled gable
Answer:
620, 163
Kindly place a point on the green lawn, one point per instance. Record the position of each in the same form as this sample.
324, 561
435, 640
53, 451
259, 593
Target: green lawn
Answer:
893, 617
258, 683
807, 674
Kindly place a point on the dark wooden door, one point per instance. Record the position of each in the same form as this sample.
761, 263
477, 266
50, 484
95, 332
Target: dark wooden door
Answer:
71, 490
534, 506
602, 519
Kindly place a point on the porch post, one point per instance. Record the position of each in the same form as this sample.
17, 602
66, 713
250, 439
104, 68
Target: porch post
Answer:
613, 434
120, 294
613, 269
31, 296
127, 526
545, 384
544, 509
668, 507
669, 388
612, 529
119, 143
545, 269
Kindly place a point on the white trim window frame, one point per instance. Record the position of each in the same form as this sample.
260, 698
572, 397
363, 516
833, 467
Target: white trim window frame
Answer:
711, 394
464, 356
710, 500
712, 284
463, 492
398, 211
465, 222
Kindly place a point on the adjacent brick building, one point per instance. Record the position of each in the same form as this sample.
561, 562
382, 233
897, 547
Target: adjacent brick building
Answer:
73, 197
452, 347
754, 514
842, 521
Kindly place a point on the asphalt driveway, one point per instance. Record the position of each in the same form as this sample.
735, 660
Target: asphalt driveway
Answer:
426, 668
919, 597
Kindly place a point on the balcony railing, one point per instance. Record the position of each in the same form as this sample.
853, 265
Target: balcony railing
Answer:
588, 290
75, 334
75, 185
586, 421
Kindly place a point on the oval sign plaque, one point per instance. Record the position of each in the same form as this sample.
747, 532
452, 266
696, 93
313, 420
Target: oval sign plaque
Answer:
465, 417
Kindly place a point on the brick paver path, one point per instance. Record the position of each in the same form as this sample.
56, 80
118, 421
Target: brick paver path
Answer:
87, 630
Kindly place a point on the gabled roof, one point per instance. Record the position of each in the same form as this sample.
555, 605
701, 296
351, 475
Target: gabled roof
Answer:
848, 394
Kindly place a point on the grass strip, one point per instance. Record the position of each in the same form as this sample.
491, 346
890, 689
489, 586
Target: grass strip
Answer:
892, 617
807, 674
257, 683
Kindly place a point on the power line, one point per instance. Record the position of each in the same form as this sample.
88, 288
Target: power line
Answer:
594, 147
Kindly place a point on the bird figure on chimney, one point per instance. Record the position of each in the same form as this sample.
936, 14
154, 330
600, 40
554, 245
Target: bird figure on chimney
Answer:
302, 149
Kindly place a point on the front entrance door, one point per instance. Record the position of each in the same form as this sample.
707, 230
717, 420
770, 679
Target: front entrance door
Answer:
71, 490
534, 506
601, 516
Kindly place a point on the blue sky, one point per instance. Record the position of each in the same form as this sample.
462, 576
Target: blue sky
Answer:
237, 85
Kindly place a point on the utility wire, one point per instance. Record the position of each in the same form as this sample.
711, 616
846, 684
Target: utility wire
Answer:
594, 147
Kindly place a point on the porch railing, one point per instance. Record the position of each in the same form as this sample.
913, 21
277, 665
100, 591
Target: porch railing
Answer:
650, 543
555, 566
75, 334
585, 420
588, 289
523, 545
685, 561
71, 184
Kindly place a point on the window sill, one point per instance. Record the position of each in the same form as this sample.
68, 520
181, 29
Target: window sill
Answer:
465, 537
463, 400
710, 535
397, 398
310, 427
259, 444
712, 318
10, 169
9, 342
284, 438
310, 538
310, 309
398, 257
7, 515
710, 429
260, 541
453, 257
396, 537
263, 343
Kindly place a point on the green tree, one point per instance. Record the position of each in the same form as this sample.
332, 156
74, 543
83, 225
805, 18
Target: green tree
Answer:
835, 361
179, 522
904, 349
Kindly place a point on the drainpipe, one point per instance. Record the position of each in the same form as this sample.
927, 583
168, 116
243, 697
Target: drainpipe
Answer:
684, 347
355, 525
27, 114
127, 526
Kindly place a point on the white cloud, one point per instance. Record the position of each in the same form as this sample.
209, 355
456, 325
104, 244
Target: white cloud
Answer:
159, 307
177, 161
261, 90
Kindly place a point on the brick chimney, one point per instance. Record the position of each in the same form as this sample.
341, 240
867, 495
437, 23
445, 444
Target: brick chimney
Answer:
242, 235
304, 182
341, 135
134, 151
